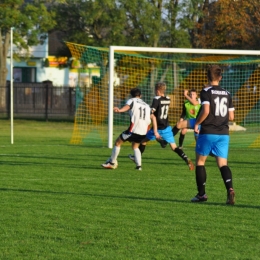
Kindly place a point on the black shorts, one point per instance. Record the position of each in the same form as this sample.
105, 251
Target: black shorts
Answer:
130, 137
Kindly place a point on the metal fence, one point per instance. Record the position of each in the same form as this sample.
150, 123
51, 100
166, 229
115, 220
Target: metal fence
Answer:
39, 101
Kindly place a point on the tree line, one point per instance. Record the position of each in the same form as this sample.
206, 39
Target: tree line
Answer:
214, 24
222, 24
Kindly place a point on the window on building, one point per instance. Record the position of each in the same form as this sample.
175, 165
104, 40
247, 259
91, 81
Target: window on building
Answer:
24, 74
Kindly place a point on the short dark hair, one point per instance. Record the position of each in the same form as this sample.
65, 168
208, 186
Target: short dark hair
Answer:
214, 72
135, 92
193, 90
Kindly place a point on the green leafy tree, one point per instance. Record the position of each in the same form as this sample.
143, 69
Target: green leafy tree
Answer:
28, 21
161, 23
144, 23
124, 22
151, 23
191, 13
95, 23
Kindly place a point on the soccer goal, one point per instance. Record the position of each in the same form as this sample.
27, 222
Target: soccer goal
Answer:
120, 68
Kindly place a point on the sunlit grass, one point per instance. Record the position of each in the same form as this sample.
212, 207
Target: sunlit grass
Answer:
58, 203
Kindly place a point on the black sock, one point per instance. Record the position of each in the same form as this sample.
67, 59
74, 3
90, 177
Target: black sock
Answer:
175, 130
142, 148
201, 178
226, 176
181, 139
181, 153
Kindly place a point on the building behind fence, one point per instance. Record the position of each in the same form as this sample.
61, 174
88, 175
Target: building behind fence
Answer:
40, 101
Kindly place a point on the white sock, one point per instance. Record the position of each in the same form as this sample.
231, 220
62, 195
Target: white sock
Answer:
138, 157
115, 153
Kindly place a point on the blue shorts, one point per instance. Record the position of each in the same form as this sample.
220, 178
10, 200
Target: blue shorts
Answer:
214, 144
192, 122
166, 135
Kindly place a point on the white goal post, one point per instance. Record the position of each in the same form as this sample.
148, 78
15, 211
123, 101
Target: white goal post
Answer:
112, 60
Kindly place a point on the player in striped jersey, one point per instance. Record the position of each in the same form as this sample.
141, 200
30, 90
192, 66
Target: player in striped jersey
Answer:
140, 120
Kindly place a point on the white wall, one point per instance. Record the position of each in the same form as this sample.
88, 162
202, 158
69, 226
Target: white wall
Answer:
59, 77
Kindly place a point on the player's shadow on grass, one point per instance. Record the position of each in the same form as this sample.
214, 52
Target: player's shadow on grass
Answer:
204, 204
45, 164
72, 158
231, 161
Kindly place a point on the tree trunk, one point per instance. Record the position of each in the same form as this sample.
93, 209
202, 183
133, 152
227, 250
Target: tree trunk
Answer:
3, 89
4, 46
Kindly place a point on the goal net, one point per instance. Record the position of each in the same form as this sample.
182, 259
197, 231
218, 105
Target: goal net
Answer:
119, 69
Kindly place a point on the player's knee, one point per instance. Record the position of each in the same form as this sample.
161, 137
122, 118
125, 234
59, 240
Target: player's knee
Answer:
173, 146
118, 142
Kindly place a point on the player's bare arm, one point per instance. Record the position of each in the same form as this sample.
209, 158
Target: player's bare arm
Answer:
231, 115
193, 101
202, 116
155, 130
121, 110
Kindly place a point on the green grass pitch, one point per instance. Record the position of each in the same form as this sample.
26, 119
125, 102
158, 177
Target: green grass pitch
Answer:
58, 203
